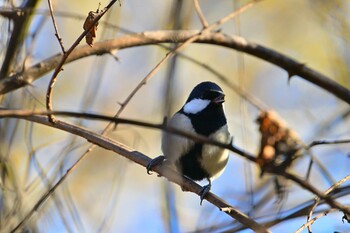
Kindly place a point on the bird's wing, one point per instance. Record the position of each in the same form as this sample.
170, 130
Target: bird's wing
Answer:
174, 146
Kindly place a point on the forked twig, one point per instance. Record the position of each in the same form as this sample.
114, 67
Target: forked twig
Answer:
311, 221
200, 14
328, 191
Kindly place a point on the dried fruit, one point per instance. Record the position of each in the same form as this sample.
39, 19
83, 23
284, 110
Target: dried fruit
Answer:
278, 145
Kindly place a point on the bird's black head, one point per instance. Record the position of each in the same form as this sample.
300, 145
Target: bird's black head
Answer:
203, 95
207, 91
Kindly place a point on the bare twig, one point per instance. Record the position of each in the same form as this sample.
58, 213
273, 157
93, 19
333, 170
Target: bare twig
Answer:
42, 174
66, 55
306, 185
55, 27
200, 14
328, 142
311, 221
328, 191
295, 212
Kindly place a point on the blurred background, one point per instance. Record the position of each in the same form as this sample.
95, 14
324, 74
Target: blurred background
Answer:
107, 193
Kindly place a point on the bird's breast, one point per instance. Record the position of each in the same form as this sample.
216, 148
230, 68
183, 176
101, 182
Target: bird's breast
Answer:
214, 158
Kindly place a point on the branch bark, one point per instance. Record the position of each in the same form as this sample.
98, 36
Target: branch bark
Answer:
292, 66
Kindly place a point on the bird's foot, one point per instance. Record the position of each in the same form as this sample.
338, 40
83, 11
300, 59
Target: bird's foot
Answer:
204, 192
154, 162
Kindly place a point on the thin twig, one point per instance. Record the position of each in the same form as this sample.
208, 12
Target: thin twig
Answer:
328, 191
66, 55
311, 221
200, 14
43, 175
328, 142
295, 212
55, 27
306, 185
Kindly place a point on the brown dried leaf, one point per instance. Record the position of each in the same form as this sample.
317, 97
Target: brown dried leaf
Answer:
91, 35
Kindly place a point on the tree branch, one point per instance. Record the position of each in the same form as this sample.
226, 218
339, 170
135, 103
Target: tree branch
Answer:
292, 66
142, 160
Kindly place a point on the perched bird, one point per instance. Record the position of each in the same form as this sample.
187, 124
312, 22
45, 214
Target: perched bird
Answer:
202, 114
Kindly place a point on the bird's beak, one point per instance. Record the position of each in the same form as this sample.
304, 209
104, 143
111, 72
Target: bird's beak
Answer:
219, 99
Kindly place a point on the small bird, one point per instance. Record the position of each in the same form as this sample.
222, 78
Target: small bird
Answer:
202, 114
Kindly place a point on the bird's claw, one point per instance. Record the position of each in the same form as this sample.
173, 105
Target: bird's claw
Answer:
154, 162
204, 192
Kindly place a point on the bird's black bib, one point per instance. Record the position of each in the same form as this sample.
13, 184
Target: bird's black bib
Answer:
205, 123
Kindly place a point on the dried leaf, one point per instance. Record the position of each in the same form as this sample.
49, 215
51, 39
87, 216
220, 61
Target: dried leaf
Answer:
91, 35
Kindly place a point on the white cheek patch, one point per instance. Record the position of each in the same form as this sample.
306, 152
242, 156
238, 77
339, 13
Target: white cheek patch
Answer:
195, 106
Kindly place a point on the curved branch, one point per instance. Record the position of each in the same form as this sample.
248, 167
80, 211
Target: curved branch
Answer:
66, 54
292, 66
143, 160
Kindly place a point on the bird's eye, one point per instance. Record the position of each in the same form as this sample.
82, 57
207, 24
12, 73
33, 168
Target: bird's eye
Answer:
210, 95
